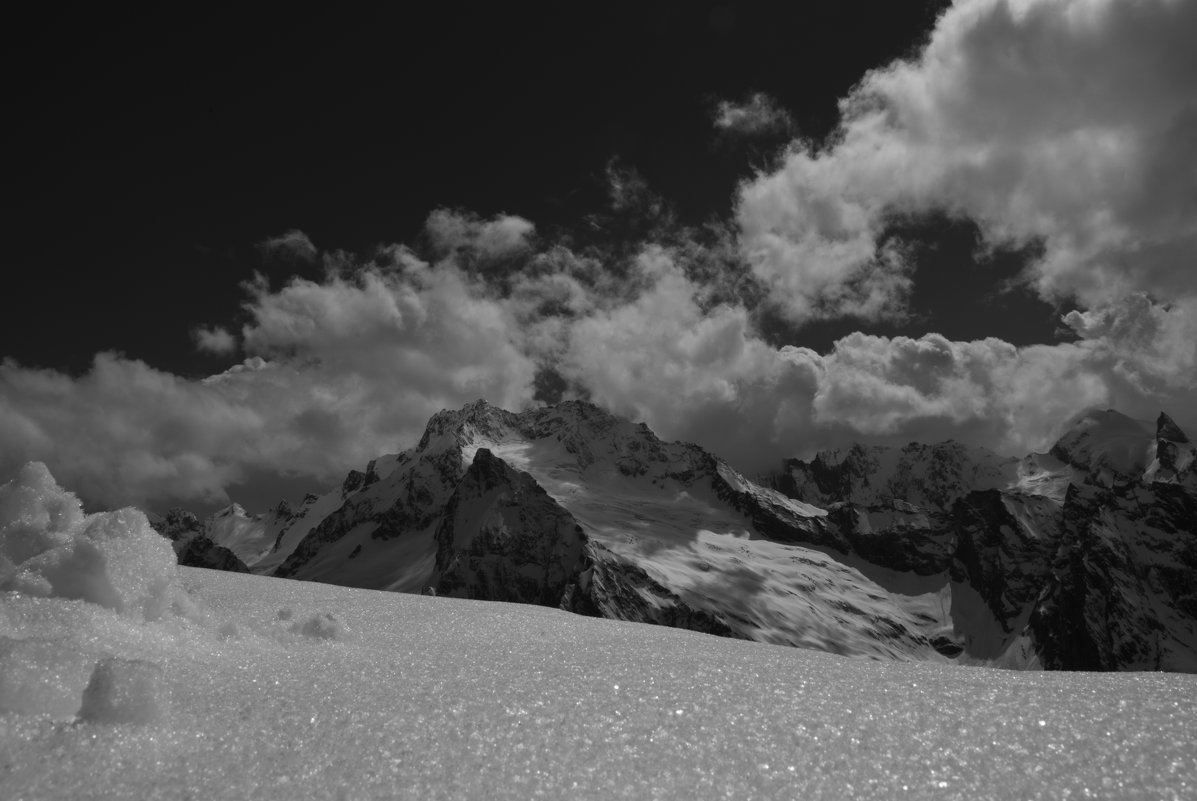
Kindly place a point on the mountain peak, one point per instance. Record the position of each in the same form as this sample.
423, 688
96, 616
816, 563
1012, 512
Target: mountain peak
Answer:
1105, 444
1166, 428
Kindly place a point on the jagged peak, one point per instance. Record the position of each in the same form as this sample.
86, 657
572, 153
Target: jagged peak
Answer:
1106, 420
478, 415
1166, 428
177, 516
232, 510
1104, 443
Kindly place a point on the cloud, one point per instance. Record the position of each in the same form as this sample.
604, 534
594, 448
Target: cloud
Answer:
216, 340
986, 392
504, 235
341, 369
693, 374
758, 115
1147, 350
293, 246
1072, 123
338, 372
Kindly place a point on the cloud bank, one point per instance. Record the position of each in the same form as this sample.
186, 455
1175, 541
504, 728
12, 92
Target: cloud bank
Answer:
1067, 124
1070, 123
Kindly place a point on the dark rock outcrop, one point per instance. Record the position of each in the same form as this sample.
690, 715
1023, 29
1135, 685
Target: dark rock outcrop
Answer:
1004, 547
503, 538
193, 548
897, 535
1123, 595
202, 552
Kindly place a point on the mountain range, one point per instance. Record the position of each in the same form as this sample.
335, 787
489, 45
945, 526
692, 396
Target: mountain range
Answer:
1083, 557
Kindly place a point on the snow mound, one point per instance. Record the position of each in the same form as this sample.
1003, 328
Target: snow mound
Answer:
125, 691
321, 627
41, 675
51, 549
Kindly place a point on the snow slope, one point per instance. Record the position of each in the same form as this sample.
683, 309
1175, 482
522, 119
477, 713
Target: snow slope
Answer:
400, 696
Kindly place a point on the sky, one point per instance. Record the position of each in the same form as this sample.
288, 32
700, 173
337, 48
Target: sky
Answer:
255, 250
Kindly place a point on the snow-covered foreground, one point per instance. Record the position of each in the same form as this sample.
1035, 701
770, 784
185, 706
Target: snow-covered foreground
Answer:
418, 697
125, 676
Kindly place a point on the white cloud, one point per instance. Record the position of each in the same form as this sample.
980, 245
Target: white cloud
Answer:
504, 235
293, 246
216, 340
339, 372
696, 375
758, 114
351, 366
986, 392
1073, 122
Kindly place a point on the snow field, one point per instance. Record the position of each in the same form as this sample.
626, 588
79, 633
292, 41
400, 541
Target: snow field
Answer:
189, 683
442, 698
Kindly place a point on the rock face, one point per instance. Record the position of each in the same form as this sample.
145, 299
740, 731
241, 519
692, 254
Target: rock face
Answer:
193, 547
1078, 558
503, 538
202, 552
928, 476
1123, 595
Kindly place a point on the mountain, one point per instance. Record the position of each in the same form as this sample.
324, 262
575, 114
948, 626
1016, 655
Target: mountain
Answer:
1082, 557
192, 545
570, 506
929, 476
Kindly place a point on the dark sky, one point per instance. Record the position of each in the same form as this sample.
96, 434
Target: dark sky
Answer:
147, 154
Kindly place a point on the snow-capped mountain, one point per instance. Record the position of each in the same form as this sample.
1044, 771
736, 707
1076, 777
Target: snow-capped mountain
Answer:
930, 476
192, 545
930, 552
573, 507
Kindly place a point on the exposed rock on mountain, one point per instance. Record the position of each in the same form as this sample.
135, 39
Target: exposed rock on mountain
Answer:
193, 547
928, 476
202, 552
504, 539
1124, 594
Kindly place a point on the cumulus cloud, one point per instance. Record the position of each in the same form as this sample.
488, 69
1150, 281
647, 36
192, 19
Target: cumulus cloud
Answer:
694, 374
341, 369
504, 235
293, 246
1072, 123
339, 372
1148, 351
986, 391
216, 340
758, 115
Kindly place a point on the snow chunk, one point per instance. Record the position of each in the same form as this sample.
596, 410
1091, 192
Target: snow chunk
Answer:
321, 627
49, 548
41, 676
125, 691
35, 515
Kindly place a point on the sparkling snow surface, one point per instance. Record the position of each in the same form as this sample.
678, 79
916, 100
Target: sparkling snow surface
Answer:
296, 690
125, 676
